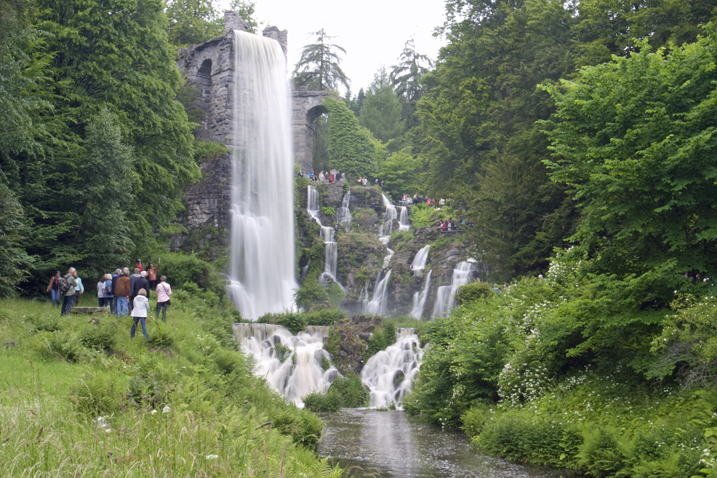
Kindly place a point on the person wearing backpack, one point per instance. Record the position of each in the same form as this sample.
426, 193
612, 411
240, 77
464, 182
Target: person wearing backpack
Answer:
109, 296
67, 286
123, 289
54, 288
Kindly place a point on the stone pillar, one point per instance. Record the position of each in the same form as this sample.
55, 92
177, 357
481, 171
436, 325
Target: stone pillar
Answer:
232, 21
279, 35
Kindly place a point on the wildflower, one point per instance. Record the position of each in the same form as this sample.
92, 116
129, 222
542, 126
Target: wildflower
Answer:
153, 412
166, 409
212, 457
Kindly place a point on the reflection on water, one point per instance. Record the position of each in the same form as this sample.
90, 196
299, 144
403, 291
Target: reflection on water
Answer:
392, 444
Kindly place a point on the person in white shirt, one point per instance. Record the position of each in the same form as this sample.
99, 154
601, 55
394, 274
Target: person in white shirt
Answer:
140, 306
163, 291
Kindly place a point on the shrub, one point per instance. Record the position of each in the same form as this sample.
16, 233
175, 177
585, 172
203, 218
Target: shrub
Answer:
328, 211
101, 338
336, 295
311, 294
322, 402
282, 351
323, 317
161, 336
61, 344
97, 394
303, 427
48, 324
184, 268
473, 292
345, 392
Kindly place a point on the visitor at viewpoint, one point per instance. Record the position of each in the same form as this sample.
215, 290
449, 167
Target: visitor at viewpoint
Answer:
54, 288
123, 288
139, 313
164, 290
69, 296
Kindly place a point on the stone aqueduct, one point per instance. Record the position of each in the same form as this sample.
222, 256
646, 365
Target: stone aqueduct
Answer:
209, 67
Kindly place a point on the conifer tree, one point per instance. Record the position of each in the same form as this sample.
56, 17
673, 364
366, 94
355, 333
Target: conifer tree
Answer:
318, 68
381, 110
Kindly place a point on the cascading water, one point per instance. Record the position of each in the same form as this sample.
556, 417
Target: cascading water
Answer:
387, 257
446, 295
343, 214
312, 203
419, 262
262, 239
389, 374
404, 223
330, 256
292, 365
419, 299
377, 305
386, 229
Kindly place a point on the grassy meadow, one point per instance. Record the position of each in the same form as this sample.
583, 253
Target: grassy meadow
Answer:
79, 398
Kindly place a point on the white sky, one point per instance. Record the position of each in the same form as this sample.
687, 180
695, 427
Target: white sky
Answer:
373, 32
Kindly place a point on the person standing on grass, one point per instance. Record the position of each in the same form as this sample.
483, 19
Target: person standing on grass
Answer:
122, 291
133, 278
115, 278
101, 292
109, 296
79, 290
54, 288
139, 313
152, 276
141, 283
163, 290
70, 294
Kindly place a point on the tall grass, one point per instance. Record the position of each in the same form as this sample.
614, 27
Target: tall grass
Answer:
188, 406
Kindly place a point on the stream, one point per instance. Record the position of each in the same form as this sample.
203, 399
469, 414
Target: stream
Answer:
375, 443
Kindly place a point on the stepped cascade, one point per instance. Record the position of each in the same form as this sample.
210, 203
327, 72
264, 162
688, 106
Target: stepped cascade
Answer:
390, 373
419, 299
386, 229
312, 203
419, 262
291, 365
327, 234
377, 304
404, 222
262, 241
446, 295
343, 214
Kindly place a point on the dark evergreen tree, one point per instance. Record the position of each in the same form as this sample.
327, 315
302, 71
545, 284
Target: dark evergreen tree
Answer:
381, 110
406, 80
318, 68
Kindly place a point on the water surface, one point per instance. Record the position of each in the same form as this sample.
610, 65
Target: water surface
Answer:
394, 444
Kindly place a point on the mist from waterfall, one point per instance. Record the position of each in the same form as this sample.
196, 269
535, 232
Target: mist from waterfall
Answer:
446, 295
261, 267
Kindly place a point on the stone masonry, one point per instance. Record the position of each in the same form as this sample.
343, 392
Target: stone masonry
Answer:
209, 67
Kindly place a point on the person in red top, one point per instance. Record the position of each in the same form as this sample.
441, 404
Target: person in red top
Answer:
139, 265
152, 276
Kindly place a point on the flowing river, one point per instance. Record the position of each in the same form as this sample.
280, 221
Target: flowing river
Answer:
393, 444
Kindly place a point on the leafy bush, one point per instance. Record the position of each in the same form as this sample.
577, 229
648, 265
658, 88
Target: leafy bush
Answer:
101, 337
61, 344
303, 427
48, 324
311, 294
97, 394
161, 335
345, 392
323, 316
184, 268
208, 150
473, 292
328, 211
336, 295
282, 351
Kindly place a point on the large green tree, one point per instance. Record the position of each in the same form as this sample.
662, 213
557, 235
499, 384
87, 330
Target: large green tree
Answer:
318, 68
636, 140
193, 21
381, 109
406, 77
352, 149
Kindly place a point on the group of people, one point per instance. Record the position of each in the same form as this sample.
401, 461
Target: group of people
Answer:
123, 293
322, 177
449, 225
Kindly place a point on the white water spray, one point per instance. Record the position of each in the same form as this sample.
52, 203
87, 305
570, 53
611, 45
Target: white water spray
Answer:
404, 223
446, 295
291, 365
390, 373
343, 214
377, 305
262, 239
419, 299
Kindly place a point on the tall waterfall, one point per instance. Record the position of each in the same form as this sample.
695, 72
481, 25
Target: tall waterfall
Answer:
377, 304
384, 232
419, 262
312, 203
262, 238
389, 374
419, 299
331, 255
291, 365
446, 295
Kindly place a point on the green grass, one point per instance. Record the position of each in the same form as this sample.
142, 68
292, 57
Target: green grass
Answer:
189, 408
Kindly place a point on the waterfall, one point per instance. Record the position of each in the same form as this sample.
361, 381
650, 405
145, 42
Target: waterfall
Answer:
291, 365
312, 203
386, 229
419, 262
387, 257
343, 214
446, 295
377, 305
419, 299
404, 223
330, 256
261, 270
389, 374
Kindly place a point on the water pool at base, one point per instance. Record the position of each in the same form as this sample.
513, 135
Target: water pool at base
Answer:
393, 444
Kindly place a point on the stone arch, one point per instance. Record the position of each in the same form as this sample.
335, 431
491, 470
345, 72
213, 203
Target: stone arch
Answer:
307, 106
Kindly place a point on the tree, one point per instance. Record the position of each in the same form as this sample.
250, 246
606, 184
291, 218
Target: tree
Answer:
381, 110
635, 139
193, 22
246, 10
352, 149
14, 261
103, 234
405, 78
321, 144
318, 68
401, 172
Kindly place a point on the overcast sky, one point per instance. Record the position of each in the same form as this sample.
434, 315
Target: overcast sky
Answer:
373, 32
